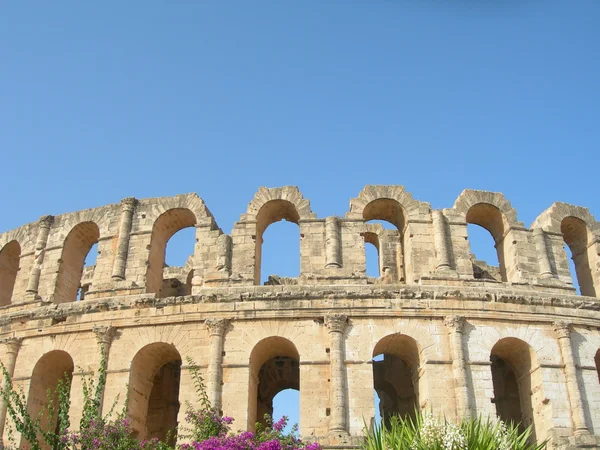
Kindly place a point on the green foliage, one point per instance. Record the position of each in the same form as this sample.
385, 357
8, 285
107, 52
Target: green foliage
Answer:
427, 433
31, 428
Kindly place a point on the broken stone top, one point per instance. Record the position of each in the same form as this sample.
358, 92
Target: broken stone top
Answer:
45, 260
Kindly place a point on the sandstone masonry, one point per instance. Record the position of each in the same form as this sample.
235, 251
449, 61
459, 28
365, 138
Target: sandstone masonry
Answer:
452, 335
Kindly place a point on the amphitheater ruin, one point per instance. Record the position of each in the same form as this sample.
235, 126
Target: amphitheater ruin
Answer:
453, 336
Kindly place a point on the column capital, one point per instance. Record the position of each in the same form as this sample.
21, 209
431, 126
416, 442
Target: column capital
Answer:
13, 344
562, 328
454, 322
104, 334
216, 327
336, 322
46, 221
128, 203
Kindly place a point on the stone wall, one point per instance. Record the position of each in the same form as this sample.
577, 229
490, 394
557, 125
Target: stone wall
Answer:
457, 337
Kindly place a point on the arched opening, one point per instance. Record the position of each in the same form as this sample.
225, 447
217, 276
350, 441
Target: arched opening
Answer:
390, 242
286, 403
577, 237
163, 230
71, 276
372, 255
517, 382
53, 366
491, 219
154, 392
271, 212
484, 255
396, 376
274, 367
9, 267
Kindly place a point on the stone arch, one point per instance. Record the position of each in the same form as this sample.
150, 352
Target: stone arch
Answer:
396, 206
10, 255
581, 233
517, 383
76, 246
271, 205
491, 211
154, 379
396, 376
274, 366
47, 372
167, 224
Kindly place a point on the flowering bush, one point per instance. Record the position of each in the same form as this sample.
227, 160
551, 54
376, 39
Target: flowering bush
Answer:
206, 429
267, 437
428, 433
210, 431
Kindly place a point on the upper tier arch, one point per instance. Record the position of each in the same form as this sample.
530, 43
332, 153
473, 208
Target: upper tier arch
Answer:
470, 198
290, 194
412, 209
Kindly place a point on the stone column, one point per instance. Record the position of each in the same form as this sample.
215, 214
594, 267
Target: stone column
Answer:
224, 253
216, 331
336, 323
104, 336
441, 241
542, 251
12, 346
40, 246
127, 208
332, 243
563, 331
455, 326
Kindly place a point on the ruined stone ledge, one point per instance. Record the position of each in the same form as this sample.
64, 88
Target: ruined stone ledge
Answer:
314, 301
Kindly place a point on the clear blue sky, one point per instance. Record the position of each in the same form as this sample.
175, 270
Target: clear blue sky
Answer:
105, 100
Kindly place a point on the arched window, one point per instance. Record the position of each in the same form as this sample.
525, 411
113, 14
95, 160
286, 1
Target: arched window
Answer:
517, 382
54, 366
271, 212
490, 218
9, 267
274, 367
390, 243
164, 228
396, 376
154, 391
77, 245
577, 236
372, 255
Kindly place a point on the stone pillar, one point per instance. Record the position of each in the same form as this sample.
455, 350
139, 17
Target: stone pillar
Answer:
224, 253
441, 241
40, 247
12, 346
216, 331
104, 336
455, 326
542, 251
332, 243
336, 323
563, 331
127, 208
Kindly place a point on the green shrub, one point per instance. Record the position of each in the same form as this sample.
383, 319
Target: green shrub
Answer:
427, 433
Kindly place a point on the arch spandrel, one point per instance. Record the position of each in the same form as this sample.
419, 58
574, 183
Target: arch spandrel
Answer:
426, 337
413, 209
132, 340
24, 236
151, 209
482, 338
289, 194
65, 223
470, 197
552, 218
